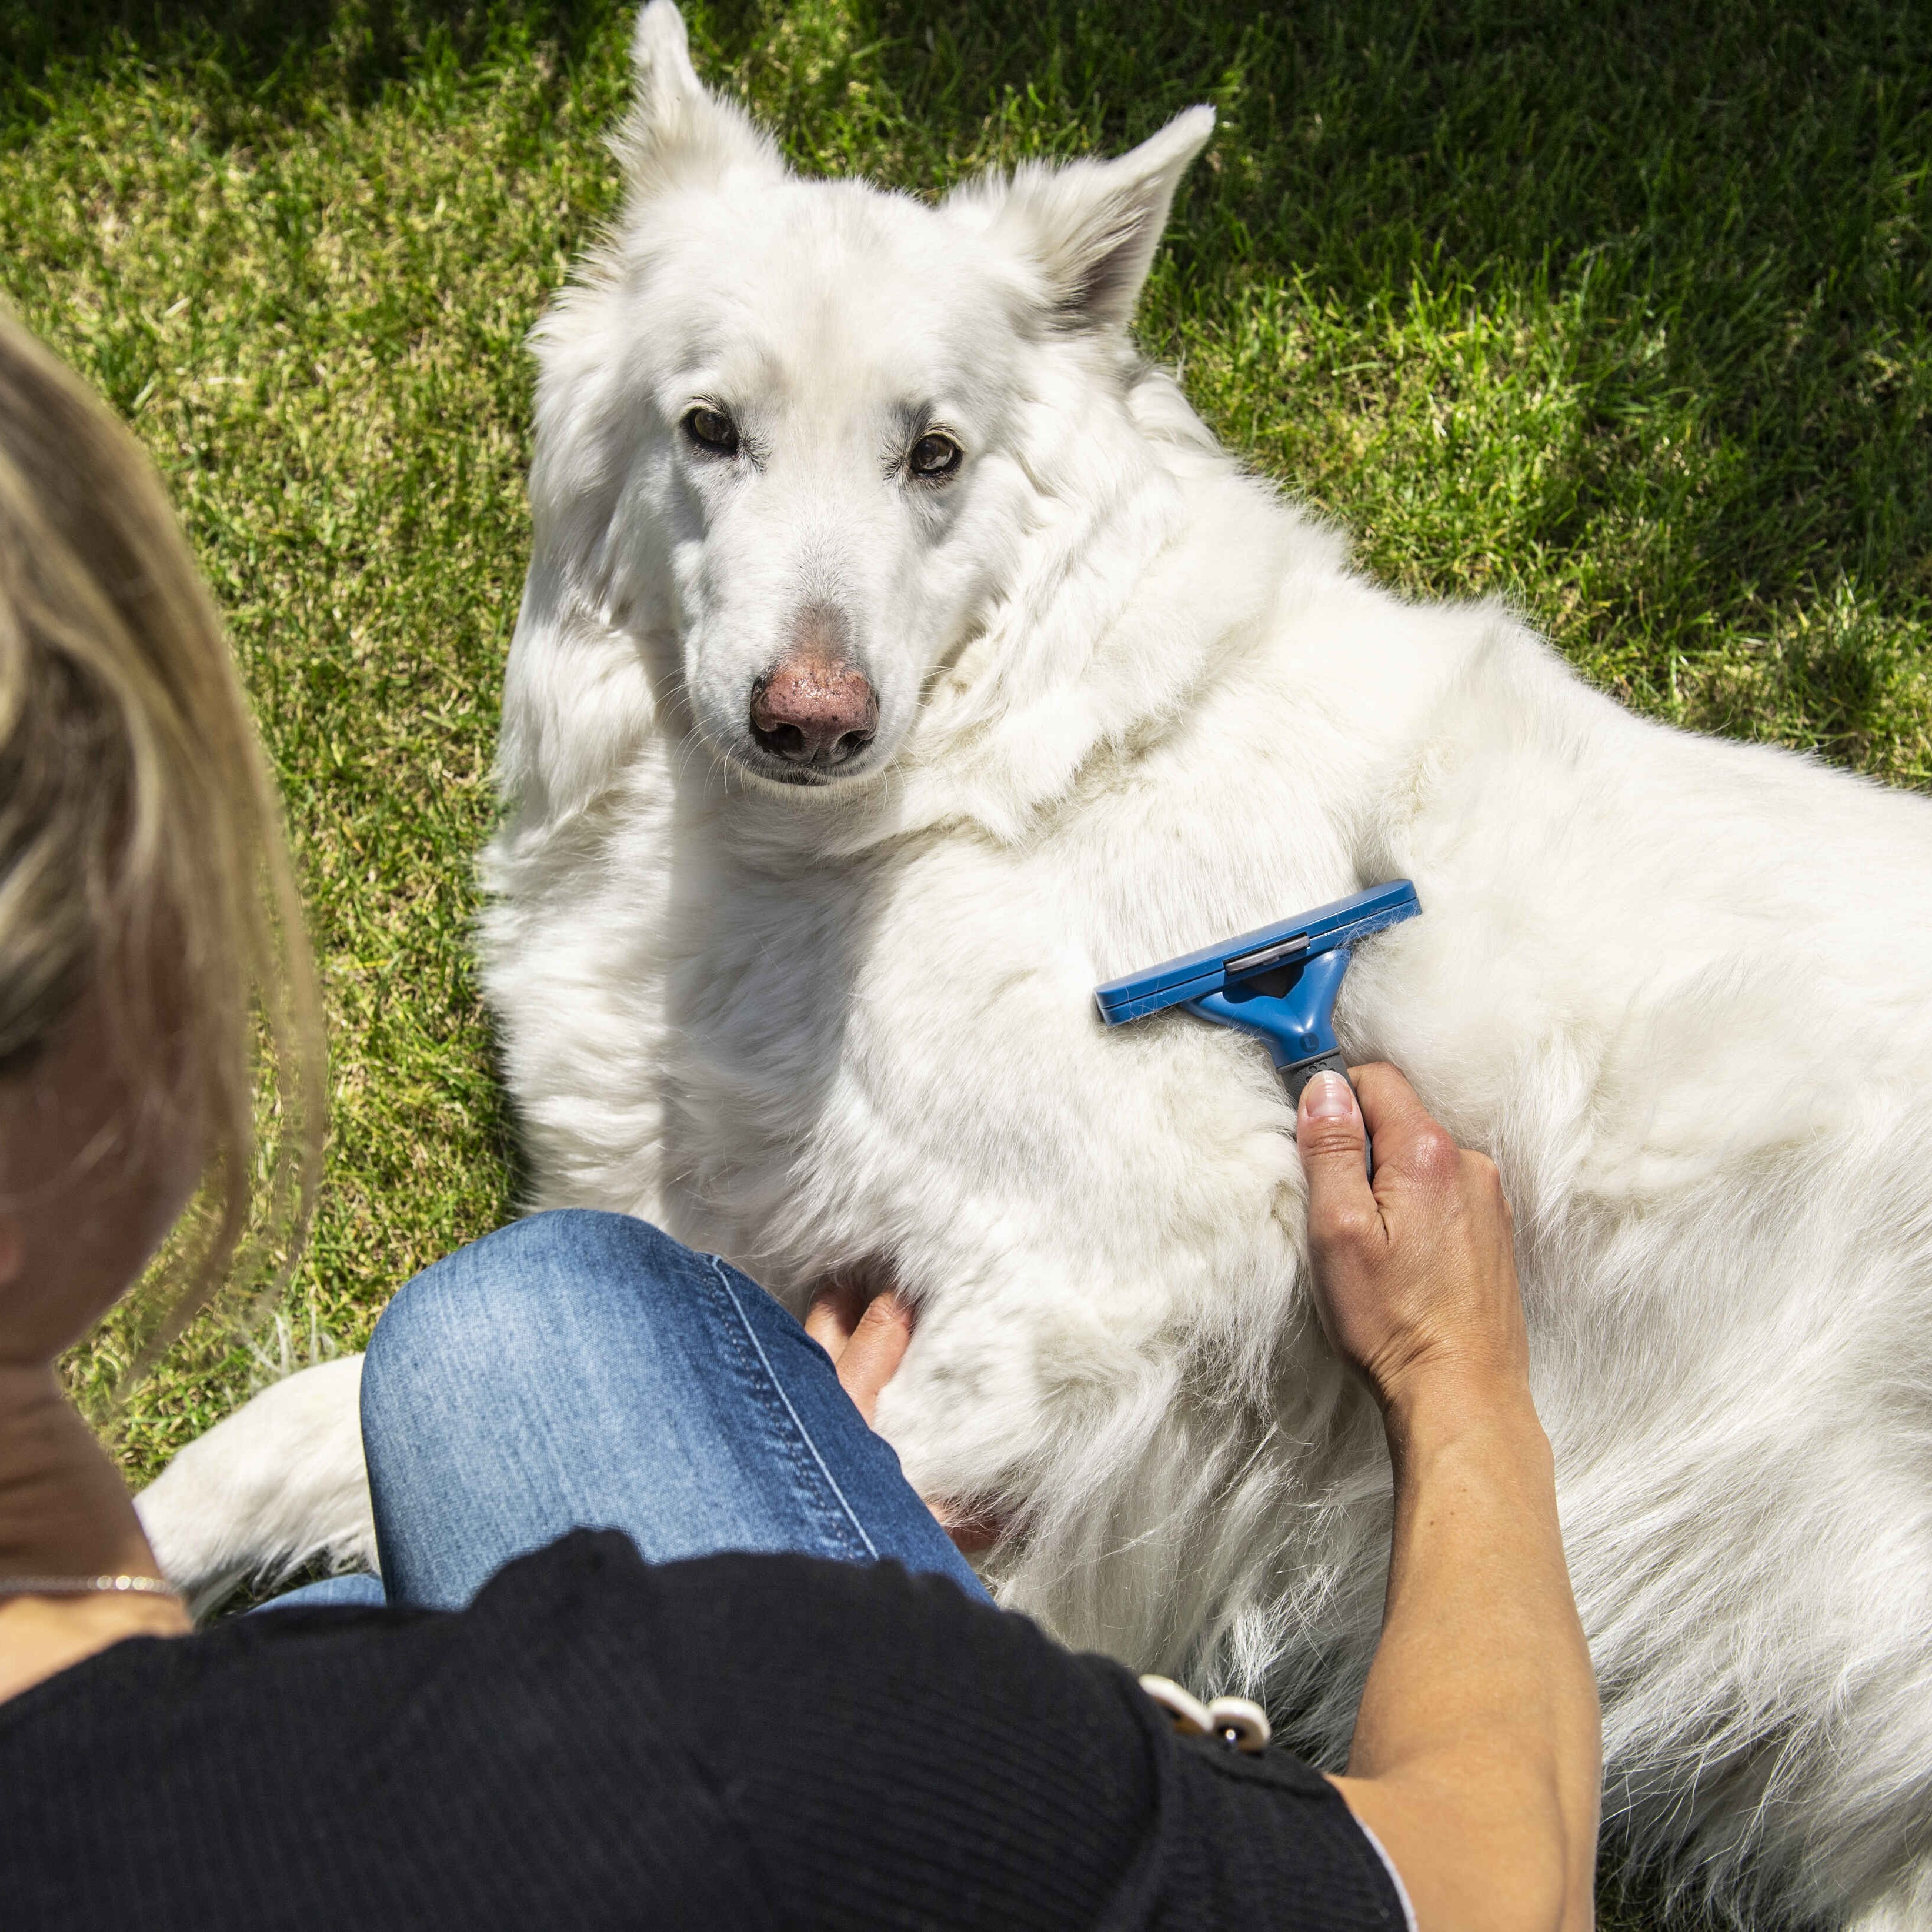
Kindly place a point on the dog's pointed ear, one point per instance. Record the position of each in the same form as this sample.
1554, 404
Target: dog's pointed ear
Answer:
1090, 228
678, 131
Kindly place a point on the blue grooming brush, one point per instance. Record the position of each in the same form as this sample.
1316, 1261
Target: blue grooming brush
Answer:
1279, 983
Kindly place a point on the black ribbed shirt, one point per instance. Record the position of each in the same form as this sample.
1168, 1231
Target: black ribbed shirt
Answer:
768, 1741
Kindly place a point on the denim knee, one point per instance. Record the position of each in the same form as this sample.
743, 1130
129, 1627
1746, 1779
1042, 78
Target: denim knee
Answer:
509, 1294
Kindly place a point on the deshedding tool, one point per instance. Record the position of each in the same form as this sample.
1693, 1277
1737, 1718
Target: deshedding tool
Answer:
1280, 983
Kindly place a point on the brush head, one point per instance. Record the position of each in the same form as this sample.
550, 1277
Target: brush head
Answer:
1217, 969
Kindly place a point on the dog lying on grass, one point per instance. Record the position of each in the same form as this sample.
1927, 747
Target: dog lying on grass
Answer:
900, 657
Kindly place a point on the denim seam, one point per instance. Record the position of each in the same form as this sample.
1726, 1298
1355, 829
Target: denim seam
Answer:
778, 1419
804, 1434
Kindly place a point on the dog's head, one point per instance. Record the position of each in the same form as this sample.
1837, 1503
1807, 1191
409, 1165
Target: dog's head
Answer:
790, 418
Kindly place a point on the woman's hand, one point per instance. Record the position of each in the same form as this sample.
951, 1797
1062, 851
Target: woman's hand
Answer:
1414, 1277
867, 1335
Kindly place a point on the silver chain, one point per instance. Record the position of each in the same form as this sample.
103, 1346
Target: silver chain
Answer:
85, 1586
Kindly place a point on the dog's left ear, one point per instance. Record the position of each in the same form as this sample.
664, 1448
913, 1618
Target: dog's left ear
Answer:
1090, 228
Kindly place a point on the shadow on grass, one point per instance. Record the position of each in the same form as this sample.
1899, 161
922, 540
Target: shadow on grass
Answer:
1733, 198
277, 53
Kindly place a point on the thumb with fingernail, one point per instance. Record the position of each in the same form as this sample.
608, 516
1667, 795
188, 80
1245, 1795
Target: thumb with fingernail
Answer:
1329, 1127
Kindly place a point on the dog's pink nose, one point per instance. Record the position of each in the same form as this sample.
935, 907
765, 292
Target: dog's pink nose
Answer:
815, 710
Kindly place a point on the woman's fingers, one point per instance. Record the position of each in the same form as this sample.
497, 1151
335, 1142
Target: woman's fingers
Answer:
1412, 1148
869, 1341
867, 1337
1329, 1133
1420, 1271
865, 1334
834, 1313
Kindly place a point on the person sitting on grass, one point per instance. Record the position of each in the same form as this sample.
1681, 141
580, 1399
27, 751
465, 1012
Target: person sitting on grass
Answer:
662, 1638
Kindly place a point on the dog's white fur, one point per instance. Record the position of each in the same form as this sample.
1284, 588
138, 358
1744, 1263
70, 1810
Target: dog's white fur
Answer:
1131, 702
276, 1486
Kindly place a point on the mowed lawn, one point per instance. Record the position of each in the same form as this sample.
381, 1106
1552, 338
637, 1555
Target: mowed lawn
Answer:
1620, 313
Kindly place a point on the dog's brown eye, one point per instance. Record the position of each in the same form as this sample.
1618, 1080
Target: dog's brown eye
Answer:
712, 430
936, 454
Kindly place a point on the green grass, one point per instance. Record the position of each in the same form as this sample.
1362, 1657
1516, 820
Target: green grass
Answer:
1619, 311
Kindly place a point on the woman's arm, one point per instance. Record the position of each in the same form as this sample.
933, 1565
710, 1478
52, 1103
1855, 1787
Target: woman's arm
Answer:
1477, 1755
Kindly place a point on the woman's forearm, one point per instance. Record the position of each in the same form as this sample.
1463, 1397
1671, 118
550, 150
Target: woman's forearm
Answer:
1475, 1757
1477, 1751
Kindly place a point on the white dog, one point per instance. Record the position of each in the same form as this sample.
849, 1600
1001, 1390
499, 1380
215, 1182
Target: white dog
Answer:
900, 657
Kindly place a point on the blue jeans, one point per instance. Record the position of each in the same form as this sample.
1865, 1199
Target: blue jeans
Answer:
578, 1370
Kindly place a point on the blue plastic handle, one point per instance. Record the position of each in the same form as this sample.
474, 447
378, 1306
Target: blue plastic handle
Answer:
1297, 1023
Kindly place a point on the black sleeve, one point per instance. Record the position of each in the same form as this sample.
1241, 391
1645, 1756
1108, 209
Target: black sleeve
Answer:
737, 1741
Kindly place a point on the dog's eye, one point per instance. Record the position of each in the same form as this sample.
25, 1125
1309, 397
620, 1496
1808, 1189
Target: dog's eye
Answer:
936, 454
712, 430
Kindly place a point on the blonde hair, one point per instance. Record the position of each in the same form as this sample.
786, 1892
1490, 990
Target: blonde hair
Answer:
140, 847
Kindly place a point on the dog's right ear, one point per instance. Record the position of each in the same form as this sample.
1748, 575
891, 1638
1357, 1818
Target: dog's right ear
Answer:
678, 133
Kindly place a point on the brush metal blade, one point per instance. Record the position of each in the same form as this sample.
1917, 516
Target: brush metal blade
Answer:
1244, 964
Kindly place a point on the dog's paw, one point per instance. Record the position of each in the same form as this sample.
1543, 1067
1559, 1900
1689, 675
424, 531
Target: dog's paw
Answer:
277, 1485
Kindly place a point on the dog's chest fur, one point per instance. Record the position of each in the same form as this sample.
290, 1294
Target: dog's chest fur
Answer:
894, 1061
